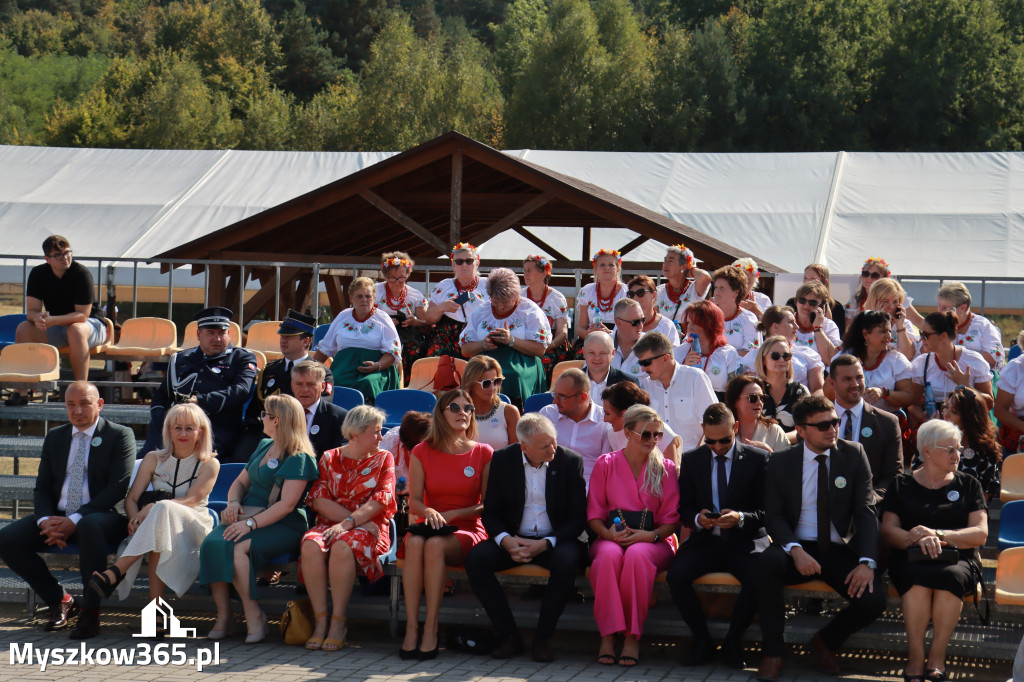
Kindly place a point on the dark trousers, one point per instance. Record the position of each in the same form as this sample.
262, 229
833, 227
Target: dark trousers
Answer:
96, 534
564, 563
776, 569
712, 554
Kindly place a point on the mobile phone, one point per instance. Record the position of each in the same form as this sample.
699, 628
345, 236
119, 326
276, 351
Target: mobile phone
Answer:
713, 515
462, 298
814, 316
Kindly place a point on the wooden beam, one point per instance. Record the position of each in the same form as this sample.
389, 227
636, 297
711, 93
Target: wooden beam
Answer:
455, 227
334, 293
217, 280
403, 220
587, 253
633, 244
512, 218
537, 241
264, 298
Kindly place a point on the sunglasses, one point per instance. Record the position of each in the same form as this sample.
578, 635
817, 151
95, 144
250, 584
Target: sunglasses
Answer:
825, 425
638, 293
487, 383
455, 408
808, 301
633, 323
776, 355
720, 441
648, 436
926, 335
464, 261
872, 275
755, 398
646, 362
265, 415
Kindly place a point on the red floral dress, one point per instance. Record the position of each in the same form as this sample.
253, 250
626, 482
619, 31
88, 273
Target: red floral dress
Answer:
352, 483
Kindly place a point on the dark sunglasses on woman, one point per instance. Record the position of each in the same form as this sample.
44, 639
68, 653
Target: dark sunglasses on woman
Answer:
455, 408
646, 436
755, 398
814, 303
638, 293
464, 261
776, 355
872, 275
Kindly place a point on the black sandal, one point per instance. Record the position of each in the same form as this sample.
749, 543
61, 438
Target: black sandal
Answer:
935, 675
103, 585
607, 659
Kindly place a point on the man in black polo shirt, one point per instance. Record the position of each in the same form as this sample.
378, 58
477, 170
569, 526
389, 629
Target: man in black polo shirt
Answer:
65, 289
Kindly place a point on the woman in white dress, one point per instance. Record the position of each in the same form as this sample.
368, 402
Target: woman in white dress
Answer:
887, 296
405, 305
169, 523
729, 288
814, 328
595, 302
975, 332
1009, 407
944, 366
512, 330
453, 301
642, 290
712, 355
537, 275
684, 282
364, 344
874, 269
745, 397
755, 302
495, 419
887, 373
808, 369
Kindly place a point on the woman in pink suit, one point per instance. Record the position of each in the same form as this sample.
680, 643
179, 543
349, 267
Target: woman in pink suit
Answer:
638, 485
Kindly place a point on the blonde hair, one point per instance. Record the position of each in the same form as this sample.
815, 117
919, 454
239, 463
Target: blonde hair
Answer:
187, 413
884, 287
764, 350
476, 368
291, 435
362, 283
360, 418
440, 435
654, 468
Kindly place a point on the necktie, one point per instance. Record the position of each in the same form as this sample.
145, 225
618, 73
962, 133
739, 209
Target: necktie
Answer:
288, 366
824, 525
722, 483
77, 477
848, 429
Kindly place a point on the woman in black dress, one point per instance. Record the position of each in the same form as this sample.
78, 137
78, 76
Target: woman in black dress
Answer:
774, 366
934, 508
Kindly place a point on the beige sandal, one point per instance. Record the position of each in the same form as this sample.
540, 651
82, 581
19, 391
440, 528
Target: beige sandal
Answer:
331, 644
314, 643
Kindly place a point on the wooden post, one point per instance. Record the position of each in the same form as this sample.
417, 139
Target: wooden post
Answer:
587, 253
455, 227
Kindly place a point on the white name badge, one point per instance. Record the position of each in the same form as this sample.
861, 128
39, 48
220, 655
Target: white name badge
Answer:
315, 429
469, 471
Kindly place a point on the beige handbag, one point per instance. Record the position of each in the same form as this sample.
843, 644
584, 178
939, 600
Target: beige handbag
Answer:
297, 622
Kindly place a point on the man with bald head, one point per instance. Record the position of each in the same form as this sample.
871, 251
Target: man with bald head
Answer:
598, 350
84, 472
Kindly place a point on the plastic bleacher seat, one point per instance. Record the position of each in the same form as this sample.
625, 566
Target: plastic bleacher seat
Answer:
1013, 479
505, 398
1010, 576
28, 363
1011, 525
145, 337
537, 401
261, 359
225, 477
262, 336
562, 366
421, 377
8, 327
397, 403
347, 397
191, 340
318, 335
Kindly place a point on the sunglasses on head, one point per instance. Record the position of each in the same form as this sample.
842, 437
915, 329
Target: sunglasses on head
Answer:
632, 323
872, 275
638, 293
755, 398
719, 441
487, 383
825, 425
647, 436
776, 355
464, 261
455, 408
808, 301
646, 362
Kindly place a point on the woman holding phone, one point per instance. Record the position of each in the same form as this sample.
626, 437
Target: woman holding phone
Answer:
454, 300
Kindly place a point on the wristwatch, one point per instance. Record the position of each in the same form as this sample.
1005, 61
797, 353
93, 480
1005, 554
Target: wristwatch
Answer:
249, 523
657, 538
547, 541
349, 518
743, 517
940, 534
885, 393
870, 563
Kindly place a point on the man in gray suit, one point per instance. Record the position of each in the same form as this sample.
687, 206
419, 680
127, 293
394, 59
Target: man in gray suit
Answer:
83, 473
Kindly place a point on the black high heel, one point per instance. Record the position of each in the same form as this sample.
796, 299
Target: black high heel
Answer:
428, 655
101, 584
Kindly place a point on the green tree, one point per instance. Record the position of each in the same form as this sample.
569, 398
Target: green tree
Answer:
350, 25
514, 37
329, 121
309, 64
268, 121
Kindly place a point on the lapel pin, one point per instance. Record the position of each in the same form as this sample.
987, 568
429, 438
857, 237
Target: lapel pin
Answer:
952, 496
840, 482
866, 432
96, 441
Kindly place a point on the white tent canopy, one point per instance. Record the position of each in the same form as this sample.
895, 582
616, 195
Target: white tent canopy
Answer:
927, 214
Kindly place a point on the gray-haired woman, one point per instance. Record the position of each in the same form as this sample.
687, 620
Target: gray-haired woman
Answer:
512, 330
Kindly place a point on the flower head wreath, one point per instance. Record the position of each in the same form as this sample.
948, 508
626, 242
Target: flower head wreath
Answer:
748, 265
687, 254
543, 262
608, 252
396, 263
463, 246
874, 260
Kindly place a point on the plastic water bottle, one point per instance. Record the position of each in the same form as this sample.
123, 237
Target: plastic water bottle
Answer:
930, 408
619, 524
695, 344
401, 484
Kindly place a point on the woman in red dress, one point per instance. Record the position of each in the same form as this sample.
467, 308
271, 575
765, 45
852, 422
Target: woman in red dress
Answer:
449, 476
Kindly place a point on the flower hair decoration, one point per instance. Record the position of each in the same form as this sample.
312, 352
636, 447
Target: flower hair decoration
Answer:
464, 246
396, 263
608, 252
691, 260
543, 262
747, 265
874, 260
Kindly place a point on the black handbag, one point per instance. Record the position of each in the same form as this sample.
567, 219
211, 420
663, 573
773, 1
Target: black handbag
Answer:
948, 555
636, 520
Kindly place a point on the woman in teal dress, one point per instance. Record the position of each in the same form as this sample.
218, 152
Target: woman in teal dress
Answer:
265, 517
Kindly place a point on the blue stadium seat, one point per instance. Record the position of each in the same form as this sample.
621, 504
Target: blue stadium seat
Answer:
1011, 525
318, 335
347, 397
225, 477
537, 401
8, 325
504, 398
397, 403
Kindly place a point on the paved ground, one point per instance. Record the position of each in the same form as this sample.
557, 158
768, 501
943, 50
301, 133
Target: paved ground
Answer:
371, 656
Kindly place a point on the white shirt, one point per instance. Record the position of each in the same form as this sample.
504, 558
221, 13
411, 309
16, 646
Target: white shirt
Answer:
721, 366
1011, 380
682, 404
807, 526
807, 339
377, 332
856, 413
627, 365
668, 328
554, 305
446, 291
939, 379
762, 301
589, 436
413, 299
983, 337
535, 523
893, 367
312, 413
676, 311
62, 503
587, 300
597, 387
526, 322
741, 331
617, 439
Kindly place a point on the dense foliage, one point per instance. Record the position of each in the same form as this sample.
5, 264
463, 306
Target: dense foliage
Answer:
648, 75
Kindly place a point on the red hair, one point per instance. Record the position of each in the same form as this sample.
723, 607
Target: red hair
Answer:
710, 318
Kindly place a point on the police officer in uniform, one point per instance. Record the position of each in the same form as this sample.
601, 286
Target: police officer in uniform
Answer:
215, 375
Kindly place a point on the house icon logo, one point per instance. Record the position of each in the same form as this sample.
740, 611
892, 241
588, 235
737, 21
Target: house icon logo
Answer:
159, 612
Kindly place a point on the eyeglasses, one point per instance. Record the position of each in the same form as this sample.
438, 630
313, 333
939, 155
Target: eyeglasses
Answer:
776, 355
648, 436
638, 293
755, 398
872, 275
266, 415
825, 425
633, 323
455, 408
561, 397
808, 301
646, 362
464, 261
926, 335
487, 383
60, 255
720, 441
950, 449
397, 280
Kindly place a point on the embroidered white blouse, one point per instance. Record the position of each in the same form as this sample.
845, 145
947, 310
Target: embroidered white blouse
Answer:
377, 332
413, 299
587, 300
446, 291
526, 322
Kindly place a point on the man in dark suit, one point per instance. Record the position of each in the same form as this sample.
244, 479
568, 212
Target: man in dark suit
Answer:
84, 472
535, 510
715, 480
309, 382
820, 515
876, 430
